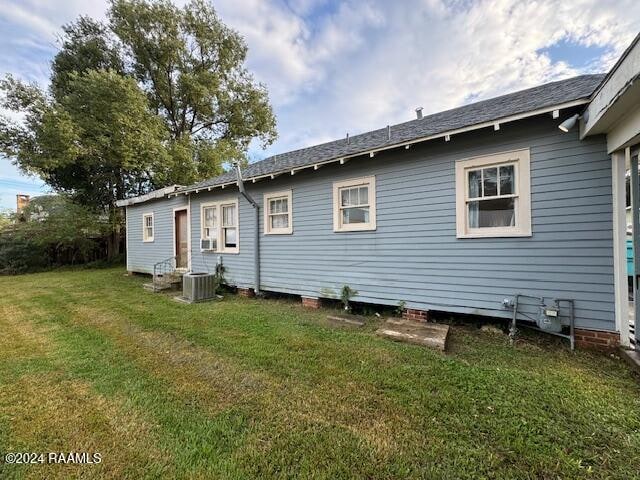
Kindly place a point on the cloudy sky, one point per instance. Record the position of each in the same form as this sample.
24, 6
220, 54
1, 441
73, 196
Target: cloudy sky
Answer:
335, 67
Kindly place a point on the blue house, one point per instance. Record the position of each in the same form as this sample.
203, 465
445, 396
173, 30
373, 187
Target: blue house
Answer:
458, 211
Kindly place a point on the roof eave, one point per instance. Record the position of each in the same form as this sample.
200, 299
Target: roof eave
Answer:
154, 195
407, 144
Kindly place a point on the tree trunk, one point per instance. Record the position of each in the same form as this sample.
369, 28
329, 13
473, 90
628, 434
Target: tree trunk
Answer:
113, 244
115, 235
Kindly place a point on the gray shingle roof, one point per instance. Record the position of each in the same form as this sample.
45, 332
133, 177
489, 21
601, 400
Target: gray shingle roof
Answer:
494, 109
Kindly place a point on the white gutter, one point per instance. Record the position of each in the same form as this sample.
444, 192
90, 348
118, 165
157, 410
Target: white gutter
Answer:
160, 193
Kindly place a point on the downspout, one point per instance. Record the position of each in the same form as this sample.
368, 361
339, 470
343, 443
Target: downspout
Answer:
256, 243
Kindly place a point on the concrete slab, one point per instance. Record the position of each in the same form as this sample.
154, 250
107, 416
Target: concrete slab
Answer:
182, 299
432, 335
351, 321
633, 358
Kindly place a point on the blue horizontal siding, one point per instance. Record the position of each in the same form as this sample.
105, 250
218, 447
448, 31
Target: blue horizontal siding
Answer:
414, 255
141, 256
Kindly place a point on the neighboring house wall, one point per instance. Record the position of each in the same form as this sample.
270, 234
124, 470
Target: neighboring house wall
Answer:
414, 255
142, 255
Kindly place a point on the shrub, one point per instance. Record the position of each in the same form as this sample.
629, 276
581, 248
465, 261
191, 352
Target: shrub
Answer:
346, 294
52, 231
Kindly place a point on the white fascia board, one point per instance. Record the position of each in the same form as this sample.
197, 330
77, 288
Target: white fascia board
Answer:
160, 193
614, 98
408, 143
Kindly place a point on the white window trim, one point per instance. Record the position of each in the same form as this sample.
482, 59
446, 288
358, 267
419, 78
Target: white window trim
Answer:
219, 229
267, 224
146, 239
338, 226
522, 228
202, 218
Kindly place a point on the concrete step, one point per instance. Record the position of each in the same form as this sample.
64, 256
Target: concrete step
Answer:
156, 287
164, 282
432, 335
173, 277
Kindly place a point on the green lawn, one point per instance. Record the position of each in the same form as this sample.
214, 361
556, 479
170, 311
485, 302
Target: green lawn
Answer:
246, 388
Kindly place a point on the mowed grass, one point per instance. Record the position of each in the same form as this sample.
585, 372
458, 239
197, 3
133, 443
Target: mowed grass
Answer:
246, 388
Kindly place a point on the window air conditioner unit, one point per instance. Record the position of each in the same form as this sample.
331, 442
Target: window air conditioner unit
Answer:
208, 244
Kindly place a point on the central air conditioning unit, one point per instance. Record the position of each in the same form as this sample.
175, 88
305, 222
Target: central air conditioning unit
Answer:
199, 287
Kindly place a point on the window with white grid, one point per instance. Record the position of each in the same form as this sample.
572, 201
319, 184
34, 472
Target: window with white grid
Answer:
147, 227
278, 213
354, 205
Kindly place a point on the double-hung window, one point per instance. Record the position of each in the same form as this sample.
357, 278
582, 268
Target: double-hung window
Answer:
229, 226
354, 205
493, 196
209, 234
147, 227
219, 227
278, 216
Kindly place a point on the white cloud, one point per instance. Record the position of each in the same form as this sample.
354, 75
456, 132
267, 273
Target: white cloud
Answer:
333, 67
441, 54
277, 40
44, 17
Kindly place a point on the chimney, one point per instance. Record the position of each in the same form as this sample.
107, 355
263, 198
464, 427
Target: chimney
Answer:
419, 113
22, 202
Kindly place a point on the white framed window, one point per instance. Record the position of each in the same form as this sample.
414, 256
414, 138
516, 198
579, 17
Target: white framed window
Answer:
219, 227
229, 227
209, 234
278, 213
354, 205
493, 196
147, 227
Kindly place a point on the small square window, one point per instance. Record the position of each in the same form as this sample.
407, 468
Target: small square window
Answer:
354, 205
278, 213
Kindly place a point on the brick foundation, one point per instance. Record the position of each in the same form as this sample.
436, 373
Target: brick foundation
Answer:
418, 315
311, 302
246, 292
596, 340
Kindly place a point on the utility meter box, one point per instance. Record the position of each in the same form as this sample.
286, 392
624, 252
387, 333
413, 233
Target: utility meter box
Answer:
549, 319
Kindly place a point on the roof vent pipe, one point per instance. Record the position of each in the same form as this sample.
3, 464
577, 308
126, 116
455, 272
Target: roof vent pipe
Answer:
388, 132
419, 113
347, 138
256, 241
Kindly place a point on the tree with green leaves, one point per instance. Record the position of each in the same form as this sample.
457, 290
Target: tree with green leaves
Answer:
192, 67
86, 45
98, 144
158, 96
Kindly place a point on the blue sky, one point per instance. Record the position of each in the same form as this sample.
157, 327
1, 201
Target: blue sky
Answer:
337, 67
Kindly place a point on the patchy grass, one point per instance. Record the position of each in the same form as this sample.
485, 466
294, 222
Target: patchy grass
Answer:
251, 388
